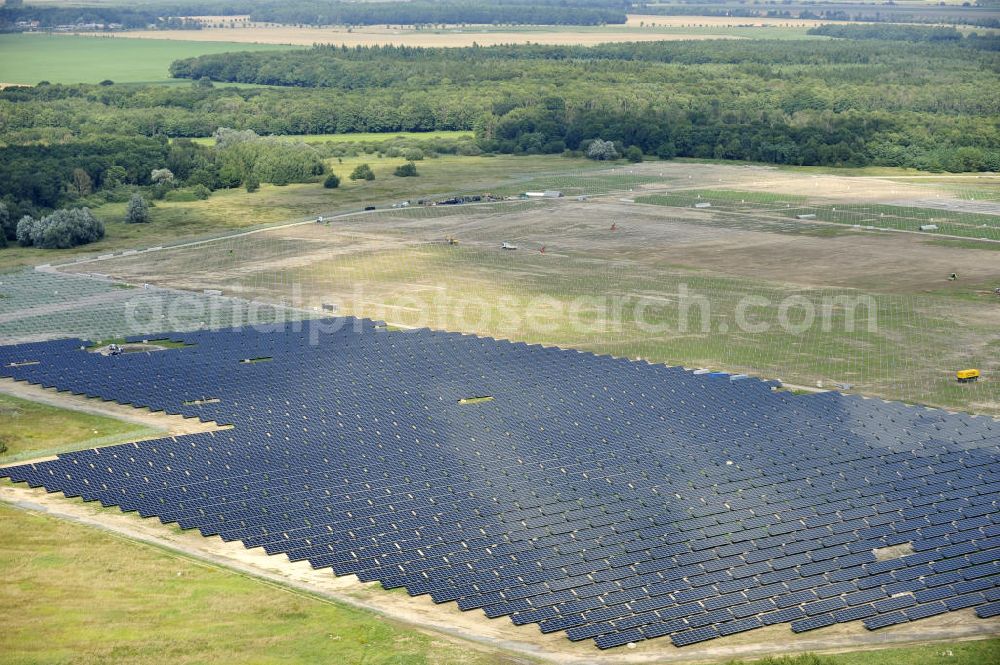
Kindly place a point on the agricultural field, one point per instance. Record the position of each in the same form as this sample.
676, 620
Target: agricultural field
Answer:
27, 59
637, 29
638, 270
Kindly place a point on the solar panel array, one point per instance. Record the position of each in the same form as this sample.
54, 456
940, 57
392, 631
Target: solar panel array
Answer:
38, 305
613, 500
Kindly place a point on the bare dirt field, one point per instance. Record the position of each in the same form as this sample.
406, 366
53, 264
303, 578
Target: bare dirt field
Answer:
473, 626
374, 36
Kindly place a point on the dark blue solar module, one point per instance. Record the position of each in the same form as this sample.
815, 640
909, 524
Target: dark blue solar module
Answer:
613, 500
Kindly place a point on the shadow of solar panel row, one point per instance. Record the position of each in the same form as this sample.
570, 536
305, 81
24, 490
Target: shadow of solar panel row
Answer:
608, 499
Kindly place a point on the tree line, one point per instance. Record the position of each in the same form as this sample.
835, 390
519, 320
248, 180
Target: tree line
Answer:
171, 15
909, 33
423, 12
982, 13
14, 18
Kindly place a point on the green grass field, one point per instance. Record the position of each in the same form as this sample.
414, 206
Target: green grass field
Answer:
29, 429
981, 652
28, 59
75, 595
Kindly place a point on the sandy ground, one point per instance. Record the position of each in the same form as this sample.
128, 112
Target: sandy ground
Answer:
473, 627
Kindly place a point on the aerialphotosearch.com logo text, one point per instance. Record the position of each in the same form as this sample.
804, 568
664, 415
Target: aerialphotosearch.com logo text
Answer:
684, 311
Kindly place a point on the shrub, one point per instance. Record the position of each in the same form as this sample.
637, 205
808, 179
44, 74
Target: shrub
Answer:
251, 183
60, 230
161, 176
413, 154
114, 176
332, 181
666, 151
407, 170
201, 192
26, 231
602, 150
362, 172
137, 211
634, 154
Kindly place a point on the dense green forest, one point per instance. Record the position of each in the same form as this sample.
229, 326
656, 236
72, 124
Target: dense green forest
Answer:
927, 105
908, 33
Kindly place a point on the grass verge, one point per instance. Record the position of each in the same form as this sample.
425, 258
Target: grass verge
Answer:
29, 429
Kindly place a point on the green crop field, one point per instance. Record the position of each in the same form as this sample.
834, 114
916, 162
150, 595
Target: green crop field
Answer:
29, 429
28, 59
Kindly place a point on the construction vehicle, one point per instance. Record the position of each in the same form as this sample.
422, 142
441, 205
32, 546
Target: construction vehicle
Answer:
507, 245
967, 375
